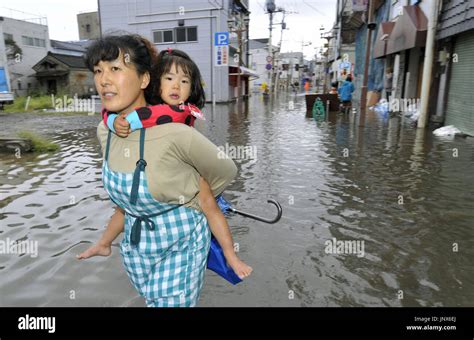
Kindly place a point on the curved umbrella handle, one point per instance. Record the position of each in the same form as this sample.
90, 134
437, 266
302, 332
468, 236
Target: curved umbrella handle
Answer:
261, 219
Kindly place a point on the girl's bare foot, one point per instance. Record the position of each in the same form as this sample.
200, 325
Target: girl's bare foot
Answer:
240, 268
96, 250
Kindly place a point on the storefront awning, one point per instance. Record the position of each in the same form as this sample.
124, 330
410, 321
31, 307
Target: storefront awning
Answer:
243, 72
409, 31
380, 48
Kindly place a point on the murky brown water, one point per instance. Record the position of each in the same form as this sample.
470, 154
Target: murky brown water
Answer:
334, 179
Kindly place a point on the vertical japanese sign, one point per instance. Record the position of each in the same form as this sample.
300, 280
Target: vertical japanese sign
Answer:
221, 48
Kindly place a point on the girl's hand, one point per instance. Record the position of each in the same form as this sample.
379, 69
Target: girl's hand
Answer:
122, 126
98, 249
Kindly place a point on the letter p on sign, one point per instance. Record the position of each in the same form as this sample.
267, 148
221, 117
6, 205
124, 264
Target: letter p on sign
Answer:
221, 39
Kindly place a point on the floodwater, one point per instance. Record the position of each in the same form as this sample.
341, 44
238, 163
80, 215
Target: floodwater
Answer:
404, 196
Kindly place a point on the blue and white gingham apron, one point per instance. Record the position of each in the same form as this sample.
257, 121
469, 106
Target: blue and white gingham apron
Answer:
165, 246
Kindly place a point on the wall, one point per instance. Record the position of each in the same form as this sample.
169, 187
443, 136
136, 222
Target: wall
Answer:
22, 71
81, 82
91, 19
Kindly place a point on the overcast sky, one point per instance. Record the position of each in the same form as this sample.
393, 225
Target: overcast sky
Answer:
303, 21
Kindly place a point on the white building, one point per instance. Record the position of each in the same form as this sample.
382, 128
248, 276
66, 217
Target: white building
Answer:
186, 25
258, 49
32, 37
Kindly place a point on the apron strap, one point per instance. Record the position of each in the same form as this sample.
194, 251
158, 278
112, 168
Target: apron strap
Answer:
107, 146
137, 225
141, 164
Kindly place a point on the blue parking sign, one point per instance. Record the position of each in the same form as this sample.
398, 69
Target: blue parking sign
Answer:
221, 38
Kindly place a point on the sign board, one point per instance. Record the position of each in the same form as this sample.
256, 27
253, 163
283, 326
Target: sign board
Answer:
268, 66
221, 55
221, 39
269, 59
221, 48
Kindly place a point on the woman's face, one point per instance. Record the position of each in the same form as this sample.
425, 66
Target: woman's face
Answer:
175, 86
119, 85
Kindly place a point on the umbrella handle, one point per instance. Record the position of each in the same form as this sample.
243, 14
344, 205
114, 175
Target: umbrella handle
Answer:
261, 219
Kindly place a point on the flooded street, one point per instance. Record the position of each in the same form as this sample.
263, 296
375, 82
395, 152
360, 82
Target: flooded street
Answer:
402, 193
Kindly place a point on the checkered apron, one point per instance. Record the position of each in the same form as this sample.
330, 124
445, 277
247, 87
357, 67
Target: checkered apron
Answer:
165, 246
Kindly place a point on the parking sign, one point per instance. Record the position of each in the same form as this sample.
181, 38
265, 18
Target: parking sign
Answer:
221, 38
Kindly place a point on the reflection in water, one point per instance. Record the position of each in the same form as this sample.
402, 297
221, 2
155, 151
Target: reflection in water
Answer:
395, 187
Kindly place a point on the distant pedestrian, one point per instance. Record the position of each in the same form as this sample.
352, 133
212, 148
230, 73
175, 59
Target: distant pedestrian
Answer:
345, 93
333, 88
306, 86
388, 82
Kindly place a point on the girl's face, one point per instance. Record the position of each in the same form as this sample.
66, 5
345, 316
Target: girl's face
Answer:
119, 85
175, 86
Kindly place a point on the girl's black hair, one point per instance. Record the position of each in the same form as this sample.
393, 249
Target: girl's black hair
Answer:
135, 49
166, 60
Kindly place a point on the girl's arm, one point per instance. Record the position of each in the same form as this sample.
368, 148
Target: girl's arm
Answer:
145, 117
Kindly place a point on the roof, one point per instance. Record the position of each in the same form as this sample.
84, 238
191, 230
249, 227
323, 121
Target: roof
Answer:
67, 45
70, 60
456, 16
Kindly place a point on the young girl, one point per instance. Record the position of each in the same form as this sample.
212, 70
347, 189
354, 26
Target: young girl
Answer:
179, 86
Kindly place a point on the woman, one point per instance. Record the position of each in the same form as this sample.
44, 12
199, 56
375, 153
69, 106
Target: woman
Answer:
154, 178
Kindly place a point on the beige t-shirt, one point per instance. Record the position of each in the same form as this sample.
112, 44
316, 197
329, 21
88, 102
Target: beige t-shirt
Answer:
177, 156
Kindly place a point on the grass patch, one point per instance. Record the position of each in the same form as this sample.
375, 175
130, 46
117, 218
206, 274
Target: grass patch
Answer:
38, 143
39, 104
36, 103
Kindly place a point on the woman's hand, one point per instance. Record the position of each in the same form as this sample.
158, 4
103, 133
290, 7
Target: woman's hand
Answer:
122, 126
99, 249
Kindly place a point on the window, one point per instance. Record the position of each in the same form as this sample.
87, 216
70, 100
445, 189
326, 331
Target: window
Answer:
88, 28
184, 34
163, 36
19, 85
178, 34
29, 41
7, 36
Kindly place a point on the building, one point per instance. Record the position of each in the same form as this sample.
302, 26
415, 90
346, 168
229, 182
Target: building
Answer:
454, 70
292, 67
32, 38
64, 73
258, 60
88, 25
342, 38
189, 26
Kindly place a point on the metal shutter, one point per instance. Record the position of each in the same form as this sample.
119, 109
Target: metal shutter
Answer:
460, 106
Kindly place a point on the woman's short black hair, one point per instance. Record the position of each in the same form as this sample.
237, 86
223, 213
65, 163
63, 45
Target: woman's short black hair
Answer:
134, 48
349, 77
166, 60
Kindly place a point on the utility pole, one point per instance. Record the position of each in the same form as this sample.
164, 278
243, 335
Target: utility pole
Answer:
239, 42
370, 27
270, 53
271, 8
239, 31
428, 64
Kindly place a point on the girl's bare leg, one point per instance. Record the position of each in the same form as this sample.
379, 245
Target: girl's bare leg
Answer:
104, 246
220, 229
